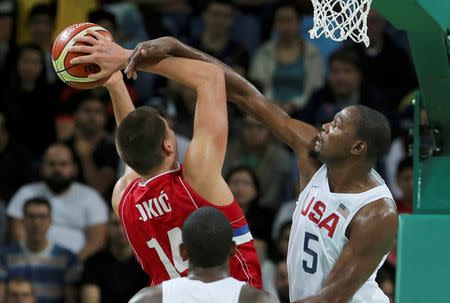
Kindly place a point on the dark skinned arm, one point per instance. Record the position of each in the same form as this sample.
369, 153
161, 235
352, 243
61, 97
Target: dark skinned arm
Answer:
298, 135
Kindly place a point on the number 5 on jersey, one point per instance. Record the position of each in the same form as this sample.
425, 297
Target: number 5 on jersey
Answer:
177, 266
311, 269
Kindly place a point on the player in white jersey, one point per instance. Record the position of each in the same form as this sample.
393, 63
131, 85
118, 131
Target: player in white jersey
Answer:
207, 244
356, 211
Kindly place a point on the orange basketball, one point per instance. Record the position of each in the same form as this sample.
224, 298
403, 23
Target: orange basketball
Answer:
75, 75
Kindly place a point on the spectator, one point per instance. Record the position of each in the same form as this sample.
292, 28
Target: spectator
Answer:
94, 150
105, 19
15, 162
40, 23
278, 252
255, 149
405, 181
28, 98
52, 269
184, 100
79, 213
385, 278
282, 282
113, 274
215, 39
6, 35
344, 87
288, 68
385, 66
3, 224
18, 291
245, 187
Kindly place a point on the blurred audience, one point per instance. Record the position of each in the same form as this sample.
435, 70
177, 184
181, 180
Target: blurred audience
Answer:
344, 87
288, 67
52, 270
18, 291
15, 163
282, 282
29, 98
255, 148
215, 39
94, 149
112, 275
40, 23
386, 66
79, 213
386, 281
405, 181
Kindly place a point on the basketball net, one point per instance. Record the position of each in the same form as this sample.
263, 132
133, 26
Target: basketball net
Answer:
341, 19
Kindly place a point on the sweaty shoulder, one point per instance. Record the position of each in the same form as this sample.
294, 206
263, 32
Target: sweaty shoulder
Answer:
381, 213
251, 295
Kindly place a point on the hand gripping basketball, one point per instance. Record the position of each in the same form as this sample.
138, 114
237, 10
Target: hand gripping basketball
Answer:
101, 50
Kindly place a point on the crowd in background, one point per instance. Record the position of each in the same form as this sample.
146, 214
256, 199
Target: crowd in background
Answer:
58, 162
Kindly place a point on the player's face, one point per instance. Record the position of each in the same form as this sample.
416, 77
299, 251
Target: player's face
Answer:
344, 78
337, 137
37, 221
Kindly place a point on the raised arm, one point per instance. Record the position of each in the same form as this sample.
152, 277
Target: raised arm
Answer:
378, 222
204, 158
297, 134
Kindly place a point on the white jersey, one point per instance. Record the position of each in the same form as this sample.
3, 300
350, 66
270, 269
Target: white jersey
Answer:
185, 290
318, 237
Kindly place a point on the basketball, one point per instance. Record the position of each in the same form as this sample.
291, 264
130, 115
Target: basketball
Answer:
75, 75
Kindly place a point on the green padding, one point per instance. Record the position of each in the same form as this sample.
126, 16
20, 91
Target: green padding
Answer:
423, 263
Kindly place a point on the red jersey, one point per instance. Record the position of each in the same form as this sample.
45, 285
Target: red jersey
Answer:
152, 214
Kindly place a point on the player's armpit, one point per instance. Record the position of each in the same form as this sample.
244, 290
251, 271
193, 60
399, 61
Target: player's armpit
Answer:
120, 186
373, 231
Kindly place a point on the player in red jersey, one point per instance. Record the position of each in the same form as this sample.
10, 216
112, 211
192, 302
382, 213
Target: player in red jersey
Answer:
156, 194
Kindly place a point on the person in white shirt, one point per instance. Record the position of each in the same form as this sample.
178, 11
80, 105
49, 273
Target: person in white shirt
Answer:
79, 214
207, 244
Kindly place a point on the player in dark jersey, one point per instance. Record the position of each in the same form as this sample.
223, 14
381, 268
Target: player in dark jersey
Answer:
156, 194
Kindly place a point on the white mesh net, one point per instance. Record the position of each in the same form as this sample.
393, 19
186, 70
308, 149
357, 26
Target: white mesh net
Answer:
341, 19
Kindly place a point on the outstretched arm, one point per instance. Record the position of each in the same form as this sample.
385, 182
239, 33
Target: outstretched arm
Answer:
297, 134
204, 158
372, 233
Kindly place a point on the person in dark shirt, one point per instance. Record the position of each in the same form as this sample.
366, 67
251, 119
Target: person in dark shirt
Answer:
344, 87
113, 274
28, 103
215, 38
15, 163
386, 66
94, 148
244, 185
